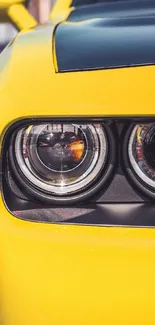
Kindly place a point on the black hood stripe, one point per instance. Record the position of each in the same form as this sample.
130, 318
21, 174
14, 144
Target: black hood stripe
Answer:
106, 42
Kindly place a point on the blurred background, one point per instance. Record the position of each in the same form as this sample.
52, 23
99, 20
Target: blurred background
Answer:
38, 8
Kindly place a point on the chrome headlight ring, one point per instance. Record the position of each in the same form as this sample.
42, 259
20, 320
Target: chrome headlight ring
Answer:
62, 163
139, 157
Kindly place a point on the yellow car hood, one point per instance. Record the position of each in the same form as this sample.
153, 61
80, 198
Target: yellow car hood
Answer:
29, 85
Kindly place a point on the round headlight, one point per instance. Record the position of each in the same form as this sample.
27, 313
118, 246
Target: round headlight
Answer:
141, 153
60, 160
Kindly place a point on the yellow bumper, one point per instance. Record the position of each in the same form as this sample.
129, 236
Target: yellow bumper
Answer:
63, 274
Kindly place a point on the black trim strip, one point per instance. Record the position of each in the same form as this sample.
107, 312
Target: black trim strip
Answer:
135, 215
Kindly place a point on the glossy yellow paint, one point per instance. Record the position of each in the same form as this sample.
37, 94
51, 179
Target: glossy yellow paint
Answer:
67, 274
58, 274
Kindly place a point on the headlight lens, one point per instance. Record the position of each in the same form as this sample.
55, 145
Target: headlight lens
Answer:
61, 159
141, 152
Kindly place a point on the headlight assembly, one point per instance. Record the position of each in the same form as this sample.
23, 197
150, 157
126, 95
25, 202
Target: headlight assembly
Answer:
141, 154
61, 162
94, 171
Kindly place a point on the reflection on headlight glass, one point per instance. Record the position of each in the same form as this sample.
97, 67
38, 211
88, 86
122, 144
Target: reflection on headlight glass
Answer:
61, 158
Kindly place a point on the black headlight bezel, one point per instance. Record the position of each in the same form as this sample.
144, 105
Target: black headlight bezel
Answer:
83, 196
121, 203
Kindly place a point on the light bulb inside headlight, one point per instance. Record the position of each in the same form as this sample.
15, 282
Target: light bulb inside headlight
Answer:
61, 159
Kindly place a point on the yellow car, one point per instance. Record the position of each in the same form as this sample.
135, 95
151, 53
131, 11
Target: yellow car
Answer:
77, 206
